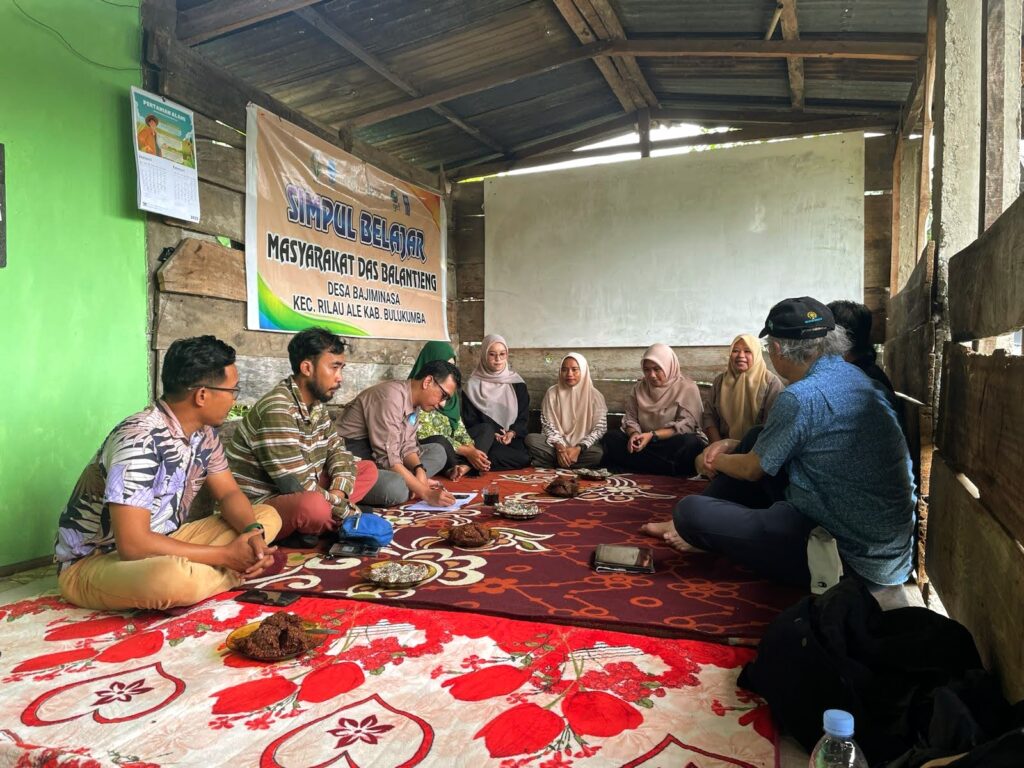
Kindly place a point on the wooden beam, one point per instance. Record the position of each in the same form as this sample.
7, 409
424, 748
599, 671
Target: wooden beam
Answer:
503, 77
586, 35
631, 69
726, 116
794, 64
743, 48
746, 134
993, 77
910, 115
218, 17
330, 30
775, 21
643, 128
924, 185
894, 258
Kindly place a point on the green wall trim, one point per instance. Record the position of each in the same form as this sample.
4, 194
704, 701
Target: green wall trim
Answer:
73, 296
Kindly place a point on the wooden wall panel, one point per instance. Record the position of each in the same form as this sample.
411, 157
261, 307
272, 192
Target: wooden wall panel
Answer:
978, 569
877, 240
981, 428
986, 280
203, 268
912, 306
221, 211
910, 362
878, 152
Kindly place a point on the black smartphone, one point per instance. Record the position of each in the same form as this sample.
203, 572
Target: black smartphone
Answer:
268, 597
353, 549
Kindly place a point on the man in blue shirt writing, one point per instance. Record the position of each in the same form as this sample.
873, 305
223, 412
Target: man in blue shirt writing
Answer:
831, 454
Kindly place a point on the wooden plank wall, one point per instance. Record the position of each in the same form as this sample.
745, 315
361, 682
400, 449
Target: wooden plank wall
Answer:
615, 369
976, 518
201, 287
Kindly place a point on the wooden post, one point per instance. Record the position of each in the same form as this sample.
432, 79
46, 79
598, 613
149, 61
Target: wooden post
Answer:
643, 127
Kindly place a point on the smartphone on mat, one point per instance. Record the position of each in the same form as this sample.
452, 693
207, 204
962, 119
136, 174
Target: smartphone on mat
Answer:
268, 597
353, 549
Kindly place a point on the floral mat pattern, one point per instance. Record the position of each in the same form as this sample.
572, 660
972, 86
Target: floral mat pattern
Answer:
393, 687
540, 568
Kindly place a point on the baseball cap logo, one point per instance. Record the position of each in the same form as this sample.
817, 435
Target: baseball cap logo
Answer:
811, 315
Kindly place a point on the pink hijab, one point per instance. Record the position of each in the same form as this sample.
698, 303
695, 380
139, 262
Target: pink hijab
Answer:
492, 392
658, 406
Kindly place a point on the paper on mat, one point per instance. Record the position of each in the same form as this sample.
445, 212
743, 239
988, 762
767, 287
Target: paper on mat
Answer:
461, 500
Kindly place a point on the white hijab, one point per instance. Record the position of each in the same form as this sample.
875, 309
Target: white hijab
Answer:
574, 411
492, 392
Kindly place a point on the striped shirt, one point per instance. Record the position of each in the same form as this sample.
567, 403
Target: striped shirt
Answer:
554, 437
283, 446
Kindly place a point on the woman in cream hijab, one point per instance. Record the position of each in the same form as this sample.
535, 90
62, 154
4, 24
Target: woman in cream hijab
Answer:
741, 396
573, 419
661, 432
496, 407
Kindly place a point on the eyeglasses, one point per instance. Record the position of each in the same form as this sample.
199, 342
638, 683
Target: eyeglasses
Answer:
445, 395
235, 391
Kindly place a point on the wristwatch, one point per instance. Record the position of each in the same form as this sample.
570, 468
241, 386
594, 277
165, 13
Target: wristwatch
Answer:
418, 466
654, 436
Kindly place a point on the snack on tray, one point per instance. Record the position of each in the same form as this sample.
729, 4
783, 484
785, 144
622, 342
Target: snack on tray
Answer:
277, 636
517, 510
594, 474
398, 572
567, 487
469, 535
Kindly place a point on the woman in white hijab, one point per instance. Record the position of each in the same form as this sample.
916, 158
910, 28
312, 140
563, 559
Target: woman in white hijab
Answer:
661, 432
496, 407
573, 419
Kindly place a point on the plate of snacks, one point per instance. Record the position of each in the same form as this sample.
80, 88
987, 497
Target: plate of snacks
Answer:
393, 574
469, 535
517, 510
280, 636
593, 474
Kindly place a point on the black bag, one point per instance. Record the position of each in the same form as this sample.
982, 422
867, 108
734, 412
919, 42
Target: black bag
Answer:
839, 650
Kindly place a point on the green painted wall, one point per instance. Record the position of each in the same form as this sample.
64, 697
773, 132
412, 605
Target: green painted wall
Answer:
73, 351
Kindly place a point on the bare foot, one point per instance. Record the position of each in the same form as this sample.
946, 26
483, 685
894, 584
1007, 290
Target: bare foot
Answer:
677, 542
457, 471
657, 530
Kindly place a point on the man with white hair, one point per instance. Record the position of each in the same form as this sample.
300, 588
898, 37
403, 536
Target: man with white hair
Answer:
831, 454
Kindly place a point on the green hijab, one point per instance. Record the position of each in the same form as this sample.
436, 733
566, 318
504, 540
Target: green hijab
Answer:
439, 350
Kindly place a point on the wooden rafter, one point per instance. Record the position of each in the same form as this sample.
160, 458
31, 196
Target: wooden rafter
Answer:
578, 24
794, 64
503, 77
910, 115
218, 17
606, 25
330, 30
743, 48
706, 113
924, 183
746, 134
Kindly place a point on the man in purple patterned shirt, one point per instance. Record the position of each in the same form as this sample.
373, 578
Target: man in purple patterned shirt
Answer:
122, 539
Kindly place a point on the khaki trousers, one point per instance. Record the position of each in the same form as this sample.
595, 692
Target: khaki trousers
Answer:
106, 582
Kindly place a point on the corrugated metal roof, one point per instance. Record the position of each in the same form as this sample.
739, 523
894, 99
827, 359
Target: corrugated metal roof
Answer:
438, 44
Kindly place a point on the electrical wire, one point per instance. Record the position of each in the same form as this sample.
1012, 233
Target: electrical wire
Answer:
68, 45
120, 5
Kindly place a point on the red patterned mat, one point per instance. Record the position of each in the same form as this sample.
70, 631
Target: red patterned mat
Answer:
393, 687
540, 569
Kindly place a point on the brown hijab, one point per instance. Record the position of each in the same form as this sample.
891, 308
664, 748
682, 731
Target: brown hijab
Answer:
658, 406
574, 411
738, 401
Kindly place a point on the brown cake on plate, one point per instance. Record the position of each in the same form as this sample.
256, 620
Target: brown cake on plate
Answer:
277, 636
469, 535
567, 487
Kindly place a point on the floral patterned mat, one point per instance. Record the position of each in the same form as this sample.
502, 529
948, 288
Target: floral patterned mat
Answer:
540, 568
393, 687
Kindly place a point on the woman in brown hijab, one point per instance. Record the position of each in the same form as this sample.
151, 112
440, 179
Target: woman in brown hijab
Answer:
741, 396
661, 432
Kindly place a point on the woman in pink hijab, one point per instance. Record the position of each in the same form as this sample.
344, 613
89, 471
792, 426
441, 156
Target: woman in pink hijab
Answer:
496, 407
661, 432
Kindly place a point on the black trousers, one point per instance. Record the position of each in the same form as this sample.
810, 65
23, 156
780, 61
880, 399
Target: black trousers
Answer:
674, 456
511, 456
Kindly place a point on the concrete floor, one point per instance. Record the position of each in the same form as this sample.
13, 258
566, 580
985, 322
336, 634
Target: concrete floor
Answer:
21, 586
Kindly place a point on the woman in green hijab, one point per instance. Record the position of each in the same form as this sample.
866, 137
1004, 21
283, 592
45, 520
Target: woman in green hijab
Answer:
444, 425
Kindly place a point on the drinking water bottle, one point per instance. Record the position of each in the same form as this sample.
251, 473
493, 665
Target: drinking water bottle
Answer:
837, 749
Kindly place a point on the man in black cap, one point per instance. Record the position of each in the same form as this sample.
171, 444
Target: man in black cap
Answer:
831, 454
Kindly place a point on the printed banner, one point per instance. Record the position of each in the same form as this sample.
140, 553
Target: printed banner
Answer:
334, 242
165, 156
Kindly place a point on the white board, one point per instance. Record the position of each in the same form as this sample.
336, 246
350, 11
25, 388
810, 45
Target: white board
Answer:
689, 250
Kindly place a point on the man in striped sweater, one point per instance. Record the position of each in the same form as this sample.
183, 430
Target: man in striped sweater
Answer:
286, 451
